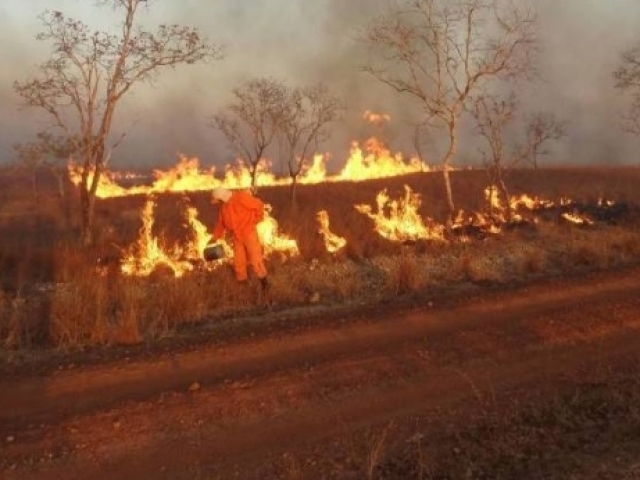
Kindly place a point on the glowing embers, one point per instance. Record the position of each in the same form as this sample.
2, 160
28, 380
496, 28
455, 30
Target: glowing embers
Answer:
399, 220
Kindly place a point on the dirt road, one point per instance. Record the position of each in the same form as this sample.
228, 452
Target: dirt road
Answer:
352, 397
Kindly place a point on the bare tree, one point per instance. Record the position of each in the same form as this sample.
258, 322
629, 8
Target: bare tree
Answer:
627, 77
252, 120
542, 128
442, 51
493, 117
308, 111
89, 72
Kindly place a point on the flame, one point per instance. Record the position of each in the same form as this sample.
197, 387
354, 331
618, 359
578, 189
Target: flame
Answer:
200, 237
377, 119
476, 220
272, 240
149, 252
107, 188
125, 176
492, 196
186, 176
372, 161
605, 203
530, 203
238, 176
144, 256
332, 242
402, 222
516, 203
316, 172
377, 163
576, 219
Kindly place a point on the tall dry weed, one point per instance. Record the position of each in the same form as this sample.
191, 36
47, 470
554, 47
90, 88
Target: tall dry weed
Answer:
405, 276
79, 313
87, 306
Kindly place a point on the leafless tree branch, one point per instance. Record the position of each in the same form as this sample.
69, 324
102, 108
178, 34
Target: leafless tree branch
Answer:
252, 119
627, 78
88, 72
442, 51
308, 111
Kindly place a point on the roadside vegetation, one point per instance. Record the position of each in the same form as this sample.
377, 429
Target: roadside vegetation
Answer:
55, 295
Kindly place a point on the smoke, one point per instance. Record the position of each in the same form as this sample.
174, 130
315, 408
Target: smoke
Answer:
582, 42
305, 42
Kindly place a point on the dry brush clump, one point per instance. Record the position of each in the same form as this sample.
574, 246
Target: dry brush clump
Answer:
55, 295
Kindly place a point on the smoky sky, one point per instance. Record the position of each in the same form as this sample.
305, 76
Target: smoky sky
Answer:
309, 41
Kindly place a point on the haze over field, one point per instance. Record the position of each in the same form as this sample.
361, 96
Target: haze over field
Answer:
304, 42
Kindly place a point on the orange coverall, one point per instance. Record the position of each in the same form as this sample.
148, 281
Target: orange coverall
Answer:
240, 215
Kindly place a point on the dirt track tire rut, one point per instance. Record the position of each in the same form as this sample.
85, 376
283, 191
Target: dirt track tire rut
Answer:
261, 397
79, 391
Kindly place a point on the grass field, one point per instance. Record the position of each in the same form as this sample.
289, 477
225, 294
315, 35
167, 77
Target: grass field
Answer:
54, 295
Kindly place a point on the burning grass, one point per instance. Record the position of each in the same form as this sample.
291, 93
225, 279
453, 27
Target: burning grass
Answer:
368, 240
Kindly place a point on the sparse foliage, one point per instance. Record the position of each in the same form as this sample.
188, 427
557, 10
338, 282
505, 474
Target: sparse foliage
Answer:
308, 111
627, 77
252, 119
442, 51
89, 72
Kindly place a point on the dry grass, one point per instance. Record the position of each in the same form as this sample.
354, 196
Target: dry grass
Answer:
587, 431
52, 295
585, 428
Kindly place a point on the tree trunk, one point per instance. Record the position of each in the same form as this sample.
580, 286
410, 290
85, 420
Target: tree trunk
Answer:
446, 164
95, 160
87, 206
62, 196
254, 173
294, 191
504, 193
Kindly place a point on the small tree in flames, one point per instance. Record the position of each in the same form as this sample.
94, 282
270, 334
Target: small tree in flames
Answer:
88, 74
442, 51
493, 118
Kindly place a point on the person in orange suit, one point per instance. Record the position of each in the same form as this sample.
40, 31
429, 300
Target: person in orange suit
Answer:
240, 212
